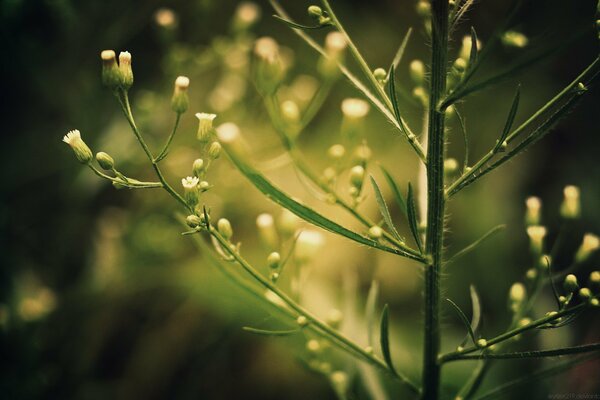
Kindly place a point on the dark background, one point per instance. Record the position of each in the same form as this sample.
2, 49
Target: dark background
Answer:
162, 326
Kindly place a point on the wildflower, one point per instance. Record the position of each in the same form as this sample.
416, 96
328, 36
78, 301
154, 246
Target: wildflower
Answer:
533, 214
198, 167
536, 235
273, 260
205, 126
125, 70
180, 101
190, 188
589, 244
105, 160
570, 207
82, 151
111, 76
570, 283
214, 151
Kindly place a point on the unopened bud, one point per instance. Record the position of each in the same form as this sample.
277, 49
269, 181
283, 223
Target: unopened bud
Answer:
125, 70
269, 69
205, 127
594, 279
450, 166
375, 232
105, 161
308, 245
420, 94
290, 111
273, 260
533, 213
224, 227
334, 318
336, 152
266, 231
313, 346
180, 101
570, 207
357, 176
417, 72
214, 151
339, 381
111, 76
423, 8
362, 153
246, 15
355, 109
589, 244
315, 11
302, 321
288, 223
193, 221
570, 283
198, 167
585, 294
536, 235
517, 296
465, 51
82, 151
514, 39
380, 75
481, 343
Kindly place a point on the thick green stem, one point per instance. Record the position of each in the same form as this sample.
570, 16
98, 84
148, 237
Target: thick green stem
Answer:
435, 199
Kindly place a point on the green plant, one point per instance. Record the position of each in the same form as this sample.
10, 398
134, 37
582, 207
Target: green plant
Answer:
425, 212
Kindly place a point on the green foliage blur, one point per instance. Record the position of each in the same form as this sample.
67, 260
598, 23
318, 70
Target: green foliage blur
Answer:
100, 295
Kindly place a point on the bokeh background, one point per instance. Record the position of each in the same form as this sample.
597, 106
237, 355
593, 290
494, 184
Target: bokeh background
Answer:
101, 297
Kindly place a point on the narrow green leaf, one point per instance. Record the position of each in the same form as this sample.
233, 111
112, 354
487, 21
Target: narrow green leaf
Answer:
395, 189
385, 339
474, 48
306, 213
383, 209
400, 52
370, 310
509, 120
392, 92
266, 332
463, 128
295, 25
476, 243
413, 218
460, 13
586, 348
464, 320
476, 305
503, 390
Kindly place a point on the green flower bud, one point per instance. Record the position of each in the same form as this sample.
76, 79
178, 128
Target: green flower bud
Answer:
190, 190
198, 167
313, 346
570, 283
82, 151
125, 70
536, 235
224, 227
380, 75
570, 207
111, 76
203, 186
105, 161
336, 152
375, 232
417, 72
315, 11
214, 151
533, 213
481, 343
269, 70
450, 166
180, 101
514, 39
357, 176
594, 279
302, 321
585, 294
273, 260
334, 318
205, 127
589, 244
193, 221
266, 231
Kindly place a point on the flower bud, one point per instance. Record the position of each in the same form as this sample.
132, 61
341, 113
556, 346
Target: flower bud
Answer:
229, 135
594, 279
302, 321
125, 70
246, 15
570, 283
198, 167
273, 260
224, 227
420, 94
533, 213
315, 11
334, 318
290, 111
214, 151
375, 232
269, 71
82, 151
288, 223
417, 72
589, 244
165, 18
423, 8
105, 161
380, 75
514, 39
481, 343
266, 231
190, 190
594, 302
531, 274
585, 294
205, 127
465, 51
570, 207
517, 296
308, 246
111, 76
313, 346
357, 176
536, 235
355, 109
450, 166
335, 44
336, 152
339, 381
193, 221
180, 101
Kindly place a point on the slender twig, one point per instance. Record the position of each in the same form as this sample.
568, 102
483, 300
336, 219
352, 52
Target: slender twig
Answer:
163, 152
528, 354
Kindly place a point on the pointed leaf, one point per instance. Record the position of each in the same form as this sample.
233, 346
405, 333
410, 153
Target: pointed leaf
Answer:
385, 339
370, 309
413, 218
476, 304
474, 49
392, 92
266, 332
464, 320
304, 212
295, 25
509, 120
400, 52
476, 243
383, 209
395, 189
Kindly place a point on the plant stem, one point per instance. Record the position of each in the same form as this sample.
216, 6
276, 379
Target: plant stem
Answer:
435, 199
163, 152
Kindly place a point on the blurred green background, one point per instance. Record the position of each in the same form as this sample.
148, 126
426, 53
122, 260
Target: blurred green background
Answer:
101, 297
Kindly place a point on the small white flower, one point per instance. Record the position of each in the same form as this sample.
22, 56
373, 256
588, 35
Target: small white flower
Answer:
205, 126
182, 82
190, 183
81, 150
71, 136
